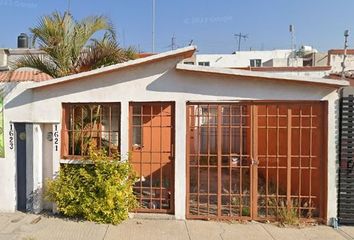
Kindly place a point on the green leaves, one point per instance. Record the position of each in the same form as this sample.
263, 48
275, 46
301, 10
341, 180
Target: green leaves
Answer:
100, 192
70, 45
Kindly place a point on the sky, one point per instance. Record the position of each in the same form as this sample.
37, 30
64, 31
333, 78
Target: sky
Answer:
210, 24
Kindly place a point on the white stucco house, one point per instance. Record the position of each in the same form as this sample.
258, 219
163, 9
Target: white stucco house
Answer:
207, 142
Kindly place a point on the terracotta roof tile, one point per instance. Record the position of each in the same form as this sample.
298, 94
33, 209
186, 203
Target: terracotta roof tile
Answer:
23, 76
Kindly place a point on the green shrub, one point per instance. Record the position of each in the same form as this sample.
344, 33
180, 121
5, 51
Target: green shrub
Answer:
100, 189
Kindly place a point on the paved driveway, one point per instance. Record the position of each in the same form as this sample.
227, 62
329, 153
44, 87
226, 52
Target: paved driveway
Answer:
33, 227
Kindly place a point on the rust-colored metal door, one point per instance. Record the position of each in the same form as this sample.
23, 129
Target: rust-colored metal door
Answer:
251, 160
219, 161
291, 164
152, 148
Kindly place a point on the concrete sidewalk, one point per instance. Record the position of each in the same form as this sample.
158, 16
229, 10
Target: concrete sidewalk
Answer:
35, 227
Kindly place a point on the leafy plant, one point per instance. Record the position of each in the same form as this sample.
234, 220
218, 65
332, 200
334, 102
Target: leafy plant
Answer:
87, 121
69, 45
100, 189
246, 211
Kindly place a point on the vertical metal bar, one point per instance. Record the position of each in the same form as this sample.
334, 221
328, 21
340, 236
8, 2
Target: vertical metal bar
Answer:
199, 146
277, 157
82, 131
100, 112
161, 180
172, 172
73, 131
188, 130
229, 162
254, 157
110, 131
300, 159
150, 144
267, 159
141, 152
240, 166
218, 139
91, 122
65, 131
208, 157
310, 159
119, 127
288, 188
251, 155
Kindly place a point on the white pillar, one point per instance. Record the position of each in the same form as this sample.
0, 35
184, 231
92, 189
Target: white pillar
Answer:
333, 157
124, 129
37, 166
56, 149
180, 160
56, 155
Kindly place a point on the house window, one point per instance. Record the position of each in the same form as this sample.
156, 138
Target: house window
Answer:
189, 63
256, 62
137, 126
90, 123
206, 64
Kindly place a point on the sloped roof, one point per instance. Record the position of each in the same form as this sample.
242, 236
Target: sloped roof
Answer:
188, 52
185, 52
260, 75
24, 76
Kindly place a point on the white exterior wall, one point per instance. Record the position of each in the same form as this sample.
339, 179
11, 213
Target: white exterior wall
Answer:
336, 62
157, 82
314, 74
242, 58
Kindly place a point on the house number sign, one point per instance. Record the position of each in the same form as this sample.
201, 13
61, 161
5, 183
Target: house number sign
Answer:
56, 138
11, 137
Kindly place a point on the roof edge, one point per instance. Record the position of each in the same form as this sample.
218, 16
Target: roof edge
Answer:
285, 69
184, 52
261, 75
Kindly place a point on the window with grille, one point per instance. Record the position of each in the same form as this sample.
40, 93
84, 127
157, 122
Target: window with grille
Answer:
256, 63
90, 123
206, 64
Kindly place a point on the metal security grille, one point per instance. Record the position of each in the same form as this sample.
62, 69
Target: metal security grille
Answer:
251, 160
346, 170
90, 123
152, 157
219, 161
290, 159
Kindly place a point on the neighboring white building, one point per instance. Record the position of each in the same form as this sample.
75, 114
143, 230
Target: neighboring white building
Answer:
265, 58
239, 59
308, 61
201, 130
335, 59
9, 56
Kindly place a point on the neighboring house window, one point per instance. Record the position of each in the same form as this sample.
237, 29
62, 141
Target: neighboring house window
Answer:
85, 123
189, 63
256, 62
207, 64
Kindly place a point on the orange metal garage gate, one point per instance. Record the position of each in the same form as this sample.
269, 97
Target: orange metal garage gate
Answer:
249, 160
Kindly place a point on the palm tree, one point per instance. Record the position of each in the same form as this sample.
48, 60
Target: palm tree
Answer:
69, 45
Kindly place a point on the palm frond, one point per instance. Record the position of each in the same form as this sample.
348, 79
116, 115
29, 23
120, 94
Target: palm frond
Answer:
39, 63
104, 53
70, 47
